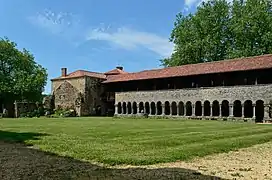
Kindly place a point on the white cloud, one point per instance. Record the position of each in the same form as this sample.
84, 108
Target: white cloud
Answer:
60, 23
128, 38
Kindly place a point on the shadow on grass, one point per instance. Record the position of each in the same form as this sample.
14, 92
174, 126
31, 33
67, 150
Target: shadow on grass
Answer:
18, 161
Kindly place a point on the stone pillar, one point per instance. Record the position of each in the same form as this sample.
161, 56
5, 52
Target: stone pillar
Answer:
211, 110
137, 109
150, 108
220, 113
122, 109
193, 110
178, 110
127, 109
203, 109
184, 109
156, 110
254, 113
163, 109
231, 110
243, 111
170, 110
116, 109
266, 111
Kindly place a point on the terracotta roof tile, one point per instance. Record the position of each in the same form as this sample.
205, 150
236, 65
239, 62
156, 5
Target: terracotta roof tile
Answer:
82, 73
239, 64
115, 72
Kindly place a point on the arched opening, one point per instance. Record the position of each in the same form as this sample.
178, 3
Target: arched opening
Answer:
147, 109
124, 106
174, 108
129, 107
270, 109
225, 108
181, 108
134, 107
248, 109
119, 108
215, 108
198, 108
207, 108
141, 107
237, 108
159, 108
259, 111
167, 108
188, 108
153, 108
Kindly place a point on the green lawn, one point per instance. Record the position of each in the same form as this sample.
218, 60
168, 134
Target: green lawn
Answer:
133, 141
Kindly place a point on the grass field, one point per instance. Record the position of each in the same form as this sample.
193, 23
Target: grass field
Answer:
133, 141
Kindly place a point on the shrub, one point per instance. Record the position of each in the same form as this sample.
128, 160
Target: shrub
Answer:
65, 113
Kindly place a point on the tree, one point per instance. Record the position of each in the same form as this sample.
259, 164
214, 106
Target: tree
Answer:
21, 78
221, 30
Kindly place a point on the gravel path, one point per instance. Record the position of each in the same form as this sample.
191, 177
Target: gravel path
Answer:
249, 163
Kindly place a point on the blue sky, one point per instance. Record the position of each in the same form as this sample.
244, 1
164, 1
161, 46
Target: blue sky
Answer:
94, 35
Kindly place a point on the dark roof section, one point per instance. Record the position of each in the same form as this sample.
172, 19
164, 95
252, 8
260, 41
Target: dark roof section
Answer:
82, 73
239, 64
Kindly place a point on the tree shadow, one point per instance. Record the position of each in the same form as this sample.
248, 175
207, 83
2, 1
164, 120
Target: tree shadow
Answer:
19, 161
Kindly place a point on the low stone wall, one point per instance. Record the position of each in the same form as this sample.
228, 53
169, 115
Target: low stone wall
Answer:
24, 107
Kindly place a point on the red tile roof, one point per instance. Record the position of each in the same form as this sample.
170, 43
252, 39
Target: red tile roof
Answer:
82, 73
239, 64
115, 72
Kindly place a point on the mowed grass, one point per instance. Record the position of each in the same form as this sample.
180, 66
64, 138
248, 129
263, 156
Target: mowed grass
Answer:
137, 141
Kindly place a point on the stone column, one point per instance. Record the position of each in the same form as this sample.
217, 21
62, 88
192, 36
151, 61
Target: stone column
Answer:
137, 109
150, 108
122, 109
170, 110
203, 109
231, 110
220, 113
211, 113
178, 110
116, 109
156, 111
254, 114
266, 111
193, 110
243, 111
184, 110
163, 109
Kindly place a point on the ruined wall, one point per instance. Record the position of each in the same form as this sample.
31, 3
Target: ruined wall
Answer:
242, 93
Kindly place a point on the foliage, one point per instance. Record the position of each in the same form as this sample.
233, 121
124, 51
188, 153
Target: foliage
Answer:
138, 141
21, 78
35, 113
64, 113
221, 30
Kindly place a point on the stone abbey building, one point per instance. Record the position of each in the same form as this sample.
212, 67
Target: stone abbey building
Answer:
230, 89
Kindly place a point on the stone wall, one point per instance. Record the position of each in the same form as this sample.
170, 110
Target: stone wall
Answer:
81, 94
242, 93
24, 107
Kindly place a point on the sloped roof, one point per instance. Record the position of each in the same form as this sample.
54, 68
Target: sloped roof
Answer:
82, 73
239, 64
115, 72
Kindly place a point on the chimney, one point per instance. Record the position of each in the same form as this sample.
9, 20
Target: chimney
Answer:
63, 72
120, 67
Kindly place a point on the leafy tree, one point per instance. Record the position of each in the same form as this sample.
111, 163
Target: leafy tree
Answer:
221, 30
21, 78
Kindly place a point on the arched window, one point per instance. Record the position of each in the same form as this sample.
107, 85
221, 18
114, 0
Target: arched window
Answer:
215, 108
147, 108
159, 108
198, 108
259, 111
119, 108
174, 108
129, 108
141, 107
181, 108
248, 109
124, 108
134, 108
167, 108
237, 108
188, 108
207, 108
225, 108
153, 108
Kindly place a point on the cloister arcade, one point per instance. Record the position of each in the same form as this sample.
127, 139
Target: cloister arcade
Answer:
242, 110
